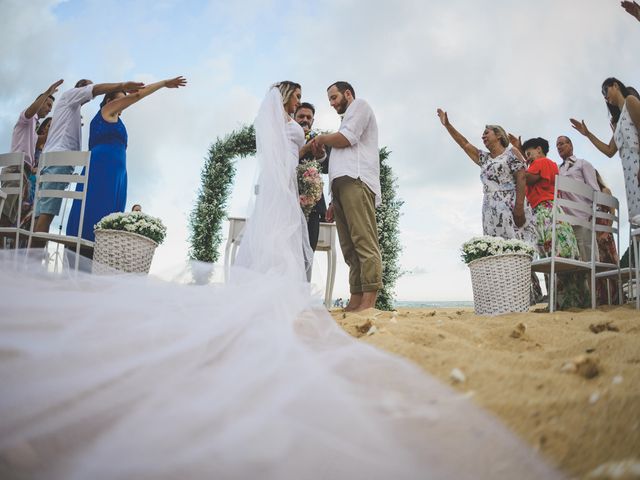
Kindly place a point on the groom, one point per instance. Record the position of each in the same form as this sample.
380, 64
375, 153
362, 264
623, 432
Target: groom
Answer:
354, 176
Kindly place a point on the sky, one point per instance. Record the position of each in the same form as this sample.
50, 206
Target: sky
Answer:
528, 65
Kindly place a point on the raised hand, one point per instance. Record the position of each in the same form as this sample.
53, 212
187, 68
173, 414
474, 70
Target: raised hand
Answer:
632, 8
53, 88
580, 126
515, 141
175, 82
444, 118
132, 86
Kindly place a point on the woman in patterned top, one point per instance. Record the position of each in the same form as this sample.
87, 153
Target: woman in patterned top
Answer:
505, 213
624, 109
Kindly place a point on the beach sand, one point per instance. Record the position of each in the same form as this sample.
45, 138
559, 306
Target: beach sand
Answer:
567, 382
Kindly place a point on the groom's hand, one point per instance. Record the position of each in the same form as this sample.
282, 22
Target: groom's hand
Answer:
329, 215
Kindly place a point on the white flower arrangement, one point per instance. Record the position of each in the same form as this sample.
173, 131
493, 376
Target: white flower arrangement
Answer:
134, 222
480, 247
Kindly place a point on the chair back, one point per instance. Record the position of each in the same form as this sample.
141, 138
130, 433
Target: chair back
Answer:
15, 187
72, 159
569, 207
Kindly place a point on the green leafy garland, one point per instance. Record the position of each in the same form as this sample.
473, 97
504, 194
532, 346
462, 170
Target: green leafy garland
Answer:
210, 212
388, 219
218, 172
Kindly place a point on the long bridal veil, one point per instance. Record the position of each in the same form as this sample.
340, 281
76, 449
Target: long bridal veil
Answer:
131, 377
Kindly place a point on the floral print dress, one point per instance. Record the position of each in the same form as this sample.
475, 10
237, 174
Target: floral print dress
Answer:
499, 185
626, 138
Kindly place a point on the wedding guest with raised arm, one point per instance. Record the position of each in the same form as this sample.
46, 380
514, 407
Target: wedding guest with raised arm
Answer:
572, 289
107, 183
305, 115
632, 8
24, 140
505, 212
66, 135
354, 176
582, 171
624, 111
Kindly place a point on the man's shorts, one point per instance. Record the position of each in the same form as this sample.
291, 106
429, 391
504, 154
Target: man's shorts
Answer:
50, 205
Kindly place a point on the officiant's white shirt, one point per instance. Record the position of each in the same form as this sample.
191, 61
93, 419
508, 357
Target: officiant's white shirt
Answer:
361, 159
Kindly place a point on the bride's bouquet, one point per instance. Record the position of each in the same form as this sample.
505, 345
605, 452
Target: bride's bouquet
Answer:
309, 185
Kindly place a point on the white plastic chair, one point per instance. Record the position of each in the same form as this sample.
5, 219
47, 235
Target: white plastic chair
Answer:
326, 243
12, 160
3, 197
635, 244
605, 207
553, 264
72, 159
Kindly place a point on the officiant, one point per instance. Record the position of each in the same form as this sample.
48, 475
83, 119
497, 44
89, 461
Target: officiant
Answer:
304, 116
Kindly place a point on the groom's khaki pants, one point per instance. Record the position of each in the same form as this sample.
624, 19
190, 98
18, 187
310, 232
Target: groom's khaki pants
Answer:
355, 215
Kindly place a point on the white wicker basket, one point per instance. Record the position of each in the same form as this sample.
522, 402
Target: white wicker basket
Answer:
118, 251
501, 284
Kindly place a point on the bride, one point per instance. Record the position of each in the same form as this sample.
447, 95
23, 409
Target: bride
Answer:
130, 377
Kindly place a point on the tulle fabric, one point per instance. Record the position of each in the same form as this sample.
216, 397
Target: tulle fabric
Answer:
122, 377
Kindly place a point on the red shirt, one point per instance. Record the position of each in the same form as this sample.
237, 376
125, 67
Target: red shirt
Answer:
543, 189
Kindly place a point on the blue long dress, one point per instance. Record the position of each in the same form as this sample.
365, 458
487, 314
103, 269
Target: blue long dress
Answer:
107, 185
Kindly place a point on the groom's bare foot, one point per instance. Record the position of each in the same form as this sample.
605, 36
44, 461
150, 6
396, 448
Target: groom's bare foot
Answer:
354, 302
368, 300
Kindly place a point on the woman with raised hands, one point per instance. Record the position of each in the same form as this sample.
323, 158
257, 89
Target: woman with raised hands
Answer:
624, 111
505, 213
107, 183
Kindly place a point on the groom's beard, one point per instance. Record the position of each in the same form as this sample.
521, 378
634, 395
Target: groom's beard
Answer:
304, 124
342, 107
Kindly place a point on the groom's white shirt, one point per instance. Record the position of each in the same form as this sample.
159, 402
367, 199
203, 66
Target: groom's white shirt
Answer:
361, 159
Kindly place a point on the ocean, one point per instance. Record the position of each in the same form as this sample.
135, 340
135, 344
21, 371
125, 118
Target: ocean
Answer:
433, 304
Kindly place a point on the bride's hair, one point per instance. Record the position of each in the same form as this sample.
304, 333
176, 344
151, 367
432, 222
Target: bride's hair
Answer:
286, 89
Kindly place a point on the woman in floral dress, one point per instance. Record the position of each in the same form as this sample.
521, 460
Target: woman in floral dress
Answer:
624, 109
505, 211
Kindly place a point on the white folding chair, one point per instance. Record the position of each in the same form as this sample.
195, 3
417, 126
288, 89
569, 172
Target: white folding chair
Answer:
12, 183
3, 197
635, 245
606, 209
327, 243
553, 264
71, 159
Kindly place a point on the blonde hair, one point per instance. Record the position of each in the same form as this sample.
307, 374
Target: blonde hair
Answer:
500, 133
287, 89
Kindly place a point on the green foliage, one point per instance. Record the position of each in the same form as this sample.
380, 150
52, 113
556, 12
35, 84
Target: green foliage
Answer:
205, 222
388, 219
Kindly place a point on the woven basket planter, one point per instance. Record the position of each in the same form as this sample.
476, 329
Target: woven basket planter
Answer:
501, 284
118, 251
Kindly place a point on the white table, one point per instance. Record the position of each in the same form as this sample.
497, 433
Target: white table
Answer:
326, 243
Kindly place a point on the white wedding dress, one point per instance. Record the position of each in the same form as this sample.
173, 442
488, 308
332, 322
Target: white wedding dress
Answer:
129, 377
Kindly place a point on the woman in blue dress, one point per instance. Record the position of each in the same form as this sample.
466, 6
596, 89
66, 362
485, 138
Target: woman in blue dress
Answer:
107, 183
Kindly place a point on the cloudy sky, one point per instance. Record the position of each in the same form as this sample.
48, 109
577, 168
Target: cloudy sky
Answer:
528, 65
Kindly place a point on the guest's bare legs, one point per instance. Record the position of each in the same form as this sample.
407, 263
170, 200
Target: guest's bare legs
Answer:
368, 300
354, 302
43, 222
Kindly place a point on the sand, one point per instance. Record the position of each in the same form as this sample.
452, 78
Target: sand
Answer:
567, 382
